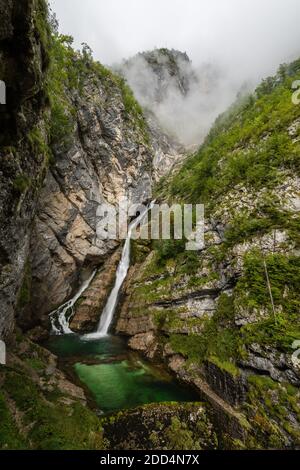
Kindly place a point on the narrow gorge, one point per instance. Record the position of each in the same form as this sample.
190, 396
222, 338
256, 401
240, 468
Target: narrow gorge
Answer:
185, 350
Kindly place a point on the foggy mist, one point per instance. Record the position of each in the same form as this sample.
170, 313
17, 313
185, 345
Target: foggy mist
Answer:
186, 104
230, 43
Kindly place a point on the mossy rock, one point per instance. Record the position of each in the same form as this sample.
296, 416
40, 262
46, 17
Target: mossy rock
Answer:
166, 426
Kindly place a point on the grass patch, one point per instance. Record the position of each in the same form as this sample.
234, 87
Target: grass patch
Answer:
10, 437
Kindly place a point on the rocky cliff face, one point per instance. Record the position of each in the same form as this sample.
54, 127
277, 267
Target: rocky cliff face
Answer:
168, 152
24, 37
226, 318
155, 74
106, 157
105, 150
72, 136
33, 390
159, 78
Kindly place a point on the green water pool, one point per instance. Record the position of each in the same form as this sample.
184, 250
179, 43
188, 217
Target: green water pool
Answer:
116, 377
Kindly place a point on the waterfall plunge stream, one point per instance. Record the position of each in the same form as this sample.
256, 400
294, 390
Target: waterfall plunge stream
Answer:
60, 318
110, 307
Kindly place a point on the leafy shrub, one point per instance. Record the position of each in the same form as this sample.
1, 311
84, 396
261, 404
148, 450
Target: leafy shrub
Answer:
168, 249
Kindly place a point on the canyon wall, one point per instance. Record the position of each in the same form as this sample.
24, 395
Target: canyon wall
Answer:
226, 318
24, 42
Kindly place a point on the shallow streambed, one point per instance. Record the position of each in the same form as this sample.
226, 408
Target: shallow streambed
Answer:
116, 377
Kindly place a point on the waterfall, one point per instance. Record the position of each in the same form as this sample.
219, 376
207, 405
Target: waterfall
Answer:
110, 307
60, 318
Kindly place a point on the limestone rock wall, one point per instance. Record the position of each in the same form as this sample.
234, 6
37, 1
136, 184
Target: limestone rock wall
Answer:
105, 159
23, 65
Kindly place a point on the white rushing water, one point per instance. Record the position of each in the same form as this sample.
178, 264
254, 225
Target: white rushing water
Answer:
60, 318
110, 307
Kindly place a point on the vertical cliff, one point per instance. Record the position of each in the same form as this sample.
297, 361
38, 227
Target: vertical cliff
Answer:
24, 45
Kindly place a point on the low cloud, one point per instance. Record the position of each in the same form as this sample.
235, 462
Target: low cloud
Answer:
243, 40
185, 100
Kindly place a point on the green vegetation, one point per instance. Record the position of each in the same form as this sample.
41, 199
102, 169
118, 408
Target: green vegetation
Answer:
21, 183
284, 273
162, 426
25, 291
169, 320
140, 249
41, 20
250, 148
38, 141
267, 217
168, 249
226, 366
243, 173
179, 437
279, 333
249, 144
280, 401
157, 290
252, 294
219, 339
223, 340
37, 411
64, 76
46, 425
10, 437
35, 363
70, 70
133, 109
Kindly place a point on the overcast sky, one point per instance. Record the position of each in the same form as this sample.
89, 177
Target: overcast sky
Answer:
249, 37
